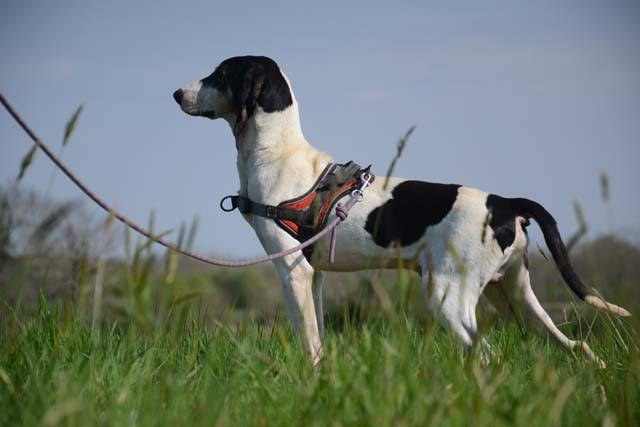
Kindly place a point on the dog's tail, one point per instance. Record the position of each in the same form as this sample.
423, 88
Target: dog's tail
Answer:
547, 223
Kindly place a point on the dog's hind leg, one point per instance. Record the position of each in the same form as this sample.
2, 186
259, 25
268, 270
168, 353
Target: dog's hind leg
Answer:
515, 290
453, 303
318, 283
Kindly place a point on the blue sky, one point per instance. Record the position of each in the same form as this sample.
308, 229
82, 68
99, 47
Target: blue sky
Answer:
529, 99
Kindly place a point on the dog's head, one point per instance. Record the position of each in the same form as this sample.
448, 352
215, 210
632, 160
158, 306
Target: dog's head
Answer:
236, 88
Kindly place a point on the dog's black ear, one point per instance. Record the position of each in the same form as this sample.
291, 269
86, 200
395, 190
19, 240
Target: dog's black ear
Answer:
246, 97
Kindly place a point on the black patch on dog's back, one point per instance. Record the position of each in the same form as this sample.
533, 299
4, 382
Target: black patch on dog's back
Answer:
414, 206
242, 72
503, 220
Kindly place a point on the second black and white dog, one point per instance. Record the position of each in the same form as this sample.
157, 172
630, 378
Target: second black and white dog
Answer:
466, 242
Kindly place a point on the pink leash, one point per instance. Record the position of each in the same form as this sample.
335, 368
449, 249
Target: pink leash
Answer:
342, 211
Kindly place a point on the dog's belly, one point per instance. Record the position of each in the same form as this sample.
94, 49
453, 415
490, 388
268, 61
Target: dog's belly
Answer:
354, 253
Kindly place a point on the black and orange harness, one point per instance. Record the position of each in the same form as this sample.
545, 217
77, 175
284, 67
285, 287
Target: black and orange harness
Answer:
305, 215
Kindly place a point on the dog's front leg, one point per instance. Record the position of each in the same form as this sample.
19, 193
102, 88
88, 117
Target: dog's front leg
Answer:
297, 282
296, 275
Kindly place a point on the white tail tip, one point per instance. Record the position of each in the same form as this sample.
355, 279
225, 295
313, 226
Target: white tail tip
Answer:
600, 303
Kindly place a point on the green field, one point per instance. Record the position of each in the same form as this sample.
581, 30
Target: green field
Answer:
384, 371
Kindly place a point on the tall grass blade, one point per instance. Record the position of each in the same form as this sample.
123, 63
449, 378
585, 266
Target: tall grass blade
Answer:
50, 222
26, 162
582, 229
71, 125
97, 293
604, 186
399, 149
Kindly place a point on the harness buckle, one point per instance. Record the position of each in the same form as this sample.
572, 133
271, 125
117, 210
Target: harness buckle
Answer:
271, 212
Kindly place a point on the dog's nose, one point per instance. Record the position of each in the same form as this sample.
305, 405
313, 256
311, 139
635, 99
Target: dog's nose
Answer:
177, 95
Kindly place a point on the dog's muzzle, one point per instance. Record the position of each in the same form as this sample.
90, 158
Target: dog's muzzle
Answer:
179, 96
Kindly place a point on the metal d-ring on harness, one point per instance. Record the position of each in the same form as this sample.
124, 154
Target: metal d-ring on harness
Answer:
341, 213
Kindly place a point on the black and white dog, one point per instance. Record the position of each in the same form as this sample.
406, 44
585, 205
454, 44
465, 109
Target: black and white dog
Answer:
466, 242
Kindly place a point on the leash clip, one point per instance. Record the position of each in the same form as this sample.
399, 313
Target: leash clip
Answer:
365, 180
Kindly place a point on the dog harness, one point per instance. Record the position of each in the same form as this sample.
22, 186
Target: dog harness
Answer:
304, 216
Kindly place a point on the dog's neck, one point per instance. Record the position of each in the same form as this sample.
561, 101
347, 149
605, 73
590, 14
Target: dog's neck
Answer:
270, 136
270, 153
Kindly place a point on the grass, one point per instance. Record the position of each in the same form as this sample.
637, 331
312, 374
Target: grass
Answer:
182, 349
388, 370
143, 347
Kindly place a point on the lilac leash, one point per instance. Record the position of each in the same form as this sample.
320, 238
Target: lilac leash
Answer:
342, 211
